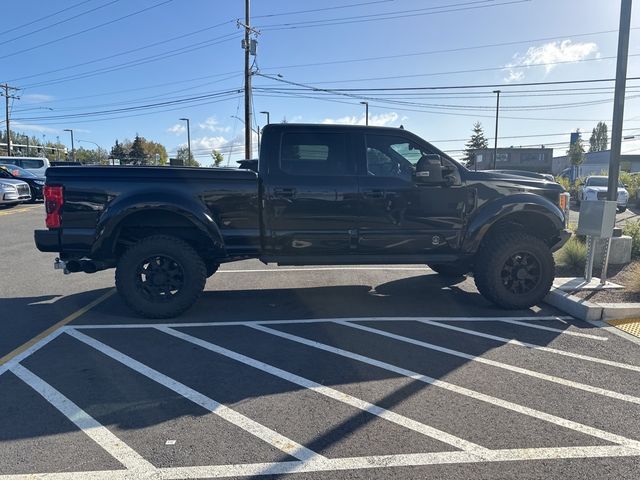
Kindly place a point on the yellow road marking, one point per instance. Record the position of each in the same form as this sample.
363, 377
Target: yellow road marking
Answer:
629, 325
24, 209
56, 326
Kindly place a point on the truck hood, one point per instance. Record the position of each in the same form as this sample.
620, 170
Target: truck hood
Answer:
604, 189
516, 180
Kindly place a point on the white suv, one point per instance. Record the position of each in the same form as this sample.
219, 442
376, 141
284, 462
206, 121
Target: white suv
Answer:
36, 165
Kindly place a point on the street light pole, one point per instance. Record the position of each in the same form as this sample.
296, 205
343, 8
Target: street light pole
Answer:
267, 114
495, 143
366, 114
188, 137
73, 149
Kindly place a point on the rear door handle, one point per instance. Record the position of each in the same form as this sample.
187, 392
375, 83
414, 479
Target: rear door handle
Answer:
374, 193
284, 192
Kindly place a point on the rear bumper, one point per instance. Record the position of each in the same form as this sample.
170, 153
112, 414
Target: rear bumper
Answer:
73, 241
562, 238
47, 240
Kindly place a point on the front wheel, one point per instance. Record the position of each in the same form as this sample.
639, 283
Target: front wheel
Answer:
160, 276
514, 270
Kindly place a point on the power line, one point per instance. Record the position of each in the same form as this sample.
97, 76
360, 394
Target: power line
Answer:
45, 17
335, 7
388, 16
74, 34
46, 27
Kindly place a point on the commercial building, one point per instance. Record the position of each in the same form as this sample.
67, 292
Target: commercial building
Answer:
513, 158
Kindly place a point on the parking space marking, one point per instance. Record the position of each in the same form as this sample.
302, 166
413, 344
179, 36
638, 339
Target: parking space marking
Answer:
337, 464
505, 366
398, 419
532, 346
323, 320
19, 210
38, 341
563, 422
272, 437
119, 450
551, 329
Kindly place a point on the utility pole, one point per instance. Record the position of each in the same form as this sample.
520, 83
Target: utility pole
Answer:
57, 147
618, 100
73, 149
188, 137
366, 114
247, 81
8, 96
495, 143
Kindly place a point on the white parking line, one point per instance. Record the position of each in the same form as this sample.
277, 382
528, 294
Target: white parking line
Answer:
260, 431
563, 422
91, 427
330, 392
551, 329
532, 346
505, 366
338, 464
320, 320
29, 351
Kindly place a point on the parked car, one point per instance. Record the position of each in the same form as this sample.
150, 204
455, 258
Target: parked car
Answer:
525, 173
322, 194
595, 188
36, 183
12, 190
36, 165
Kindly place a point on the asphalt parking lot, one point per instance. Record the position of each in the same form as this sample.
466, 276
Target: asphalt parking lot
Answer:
319, 372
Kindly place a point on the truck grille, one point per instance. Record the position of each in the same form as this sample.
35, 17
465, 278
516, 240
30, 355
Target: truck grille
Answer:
602, 195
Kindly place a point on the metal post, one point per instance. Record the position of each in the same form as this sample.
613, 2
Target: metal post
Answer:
591, 251
188, 137
366, 115
247, 82
495, 143
618, 100
267, 114
605, 262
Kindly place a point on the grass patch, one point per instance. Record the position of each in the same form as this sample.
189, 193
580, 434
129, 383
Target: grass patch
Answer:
573, 254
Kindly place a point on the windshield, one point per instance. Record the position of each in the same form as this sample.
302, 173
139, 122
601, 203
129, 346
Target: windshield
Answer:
599, 182
18, 171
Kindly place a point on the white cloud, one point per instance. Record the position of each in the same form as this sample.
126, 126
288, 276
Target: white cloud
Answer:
213, 125
208, 143
177, 129
36, 98
34, 128
380, 120
549, 54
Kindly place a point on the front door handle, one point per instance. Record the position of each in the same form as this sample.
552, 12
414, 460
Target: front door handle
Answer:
284, 192
374, 193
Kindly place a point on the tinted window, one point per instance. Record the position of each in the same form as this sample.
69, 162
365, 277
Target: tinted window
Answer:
315, 154
390, 156
32, 163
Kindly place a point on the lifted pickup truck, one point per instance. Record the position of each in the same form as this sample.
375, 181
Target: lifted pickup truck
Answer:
319, 194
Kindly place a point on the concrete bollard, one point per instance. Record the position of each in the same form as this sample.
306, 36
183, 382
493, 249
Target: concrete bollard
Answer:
620, 253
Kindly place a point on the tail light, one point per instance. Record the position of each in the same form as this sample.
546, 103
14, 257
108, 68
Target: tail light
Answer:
53, 200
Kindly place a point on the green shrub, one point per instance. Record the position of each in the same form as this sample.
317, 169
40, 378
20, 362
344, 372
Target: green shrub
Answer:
632, 228
573, 254
564, 181
632, 182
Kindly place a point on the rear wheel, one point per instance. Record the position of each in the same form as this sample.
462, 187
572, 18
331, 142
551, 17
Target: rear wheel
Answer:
514, 270
622, 209
160, 276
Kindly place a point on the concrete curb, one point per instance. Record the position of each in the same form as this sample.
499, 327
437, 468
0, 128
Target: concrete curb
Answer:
590, 311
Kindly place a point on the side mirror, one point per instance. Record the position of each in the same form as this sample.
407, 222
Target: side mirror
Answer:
429, 170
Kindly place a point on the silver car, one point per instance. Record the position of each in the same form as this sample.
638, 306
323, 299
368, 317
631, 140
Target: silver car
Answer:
13, 192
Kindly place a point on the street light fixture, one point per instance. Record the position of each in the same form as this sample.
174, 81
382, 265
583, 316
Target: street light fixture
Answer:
188, 137
267, 114
366, 115
73, 149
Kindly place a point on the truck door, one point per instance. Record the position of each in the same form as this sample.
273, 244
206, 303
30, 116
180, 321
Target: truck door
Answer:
311, 194
398, 215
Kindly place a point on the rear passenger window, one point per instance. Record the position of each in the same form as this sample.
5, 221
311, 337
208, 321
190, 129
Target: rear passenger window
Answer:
32, 163
315, 154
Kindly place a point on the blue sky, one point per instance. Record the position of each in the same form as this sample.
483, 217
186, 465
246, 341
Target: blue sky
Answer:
182, 58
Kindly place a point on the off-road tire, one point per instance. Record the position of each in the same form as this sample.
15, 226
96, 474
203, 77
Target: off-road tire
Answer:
194, 275
450, 270
492, 259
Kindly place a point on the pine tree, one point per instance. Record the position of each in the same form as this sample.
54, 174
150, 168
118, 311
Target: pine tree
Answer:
576, 152
137, 153
118, 153
476, 142
599, 140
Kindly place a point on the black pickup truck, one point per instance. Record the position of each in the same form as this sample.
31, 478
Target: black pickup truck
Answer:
319, 194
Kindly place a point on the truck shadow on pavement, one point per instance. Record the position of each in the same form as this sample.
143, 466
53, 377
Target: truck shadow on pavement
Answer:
124, 401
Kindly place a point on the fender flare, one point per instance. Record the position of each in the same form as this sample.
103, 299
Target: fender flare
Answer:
109, 223
493, 212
